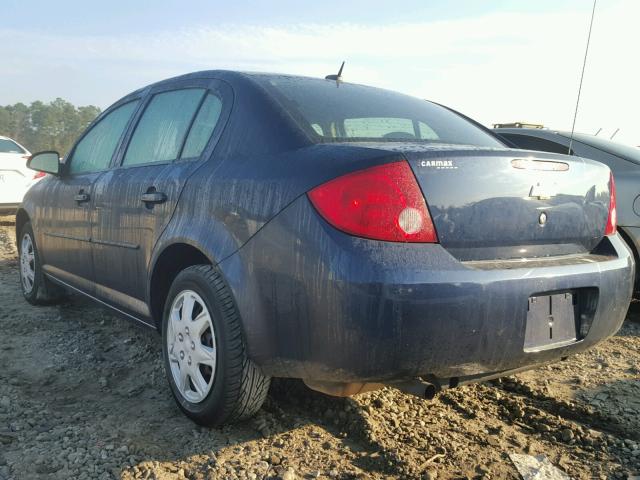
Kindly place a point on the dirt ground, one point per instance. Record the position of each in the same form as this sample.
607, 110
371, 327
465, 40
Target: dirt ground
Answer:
83, 395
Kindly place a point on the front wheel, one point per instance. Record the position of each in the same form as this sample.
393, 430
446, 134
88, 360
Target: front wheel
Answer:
210, 375
36, 288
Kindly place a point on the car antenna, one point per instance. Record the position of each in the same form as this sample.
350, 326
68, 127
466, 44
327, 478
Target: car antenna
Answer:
338, 77
614, 134
596, 134
584, 64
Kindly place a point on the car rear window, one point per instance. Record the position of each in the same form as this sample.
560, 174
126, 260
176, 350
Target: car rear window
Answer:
9, 146
534, 143
398, 128
347, 112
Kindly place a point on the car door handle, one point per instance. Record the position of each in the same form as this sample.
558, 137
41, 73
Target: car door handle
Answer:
154, 197
82, 197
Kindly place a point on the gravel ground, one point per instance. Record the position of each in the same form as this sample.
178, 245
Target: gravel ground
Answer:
83, 395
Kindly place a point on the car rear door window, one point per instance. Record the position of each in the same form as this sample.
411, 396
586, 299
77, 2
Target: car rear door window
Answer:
202, 127
162, 129
94, 152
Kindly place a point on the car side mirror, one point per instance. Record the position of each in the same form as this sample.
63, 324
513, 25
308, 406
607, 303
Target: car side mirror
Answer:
48, 162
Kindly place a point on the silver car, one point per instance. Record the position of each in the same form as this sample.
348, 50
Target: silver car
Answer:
623, 160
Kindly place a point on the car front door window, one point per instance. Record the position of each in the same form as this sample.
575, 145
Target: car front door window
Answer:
94, 152
67, 229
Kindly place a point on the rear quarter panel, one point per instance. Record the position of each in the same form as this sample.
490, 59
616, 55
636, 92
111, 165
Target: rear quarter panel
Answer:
261, 163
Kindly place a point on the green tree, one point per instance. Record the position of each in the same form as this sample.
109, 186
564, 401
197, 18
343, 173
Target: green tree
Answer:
46, 126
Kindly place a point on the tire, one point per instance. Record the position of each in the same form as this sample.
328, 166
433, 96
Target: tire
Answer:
205, 351
36, 288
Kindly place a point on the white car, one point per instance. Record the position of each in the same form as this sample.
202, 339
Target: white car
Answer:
15, 177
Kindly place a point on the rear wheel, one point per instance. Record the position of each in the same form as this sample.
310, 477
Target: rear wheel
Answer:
210, 375
36, 288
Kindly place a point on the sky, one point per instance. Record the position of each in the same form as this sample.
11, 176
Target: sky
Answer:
493, 60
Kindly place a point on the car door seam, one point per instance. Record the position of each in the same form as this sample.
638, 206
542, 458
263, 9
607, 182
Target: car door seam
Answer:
199, 164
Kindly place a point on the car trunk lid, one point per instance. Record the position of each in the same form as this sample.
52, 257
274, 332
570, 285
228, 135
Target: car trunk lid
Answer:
491, 204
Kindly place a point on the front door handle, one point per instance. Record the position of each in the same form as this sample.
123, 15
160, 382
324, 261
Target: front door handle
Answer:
153, 197
81, 197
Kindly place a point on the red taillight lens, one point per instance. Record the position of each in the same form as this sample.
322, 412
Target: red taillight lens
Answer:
612, 221
39, 175
381, 203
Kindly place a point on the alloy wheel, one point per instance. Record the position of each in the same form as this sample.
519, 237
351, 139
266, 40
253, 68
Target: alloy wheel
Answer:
191, 346
27, 263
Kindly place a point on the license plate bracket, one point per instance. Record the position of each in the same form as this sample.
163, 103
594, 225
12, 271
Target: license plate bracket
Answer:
552, 321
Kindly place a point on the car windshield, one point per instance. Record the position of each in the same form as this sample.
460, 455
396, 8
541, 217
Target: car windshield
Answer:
621, 150
347, 112
9, 146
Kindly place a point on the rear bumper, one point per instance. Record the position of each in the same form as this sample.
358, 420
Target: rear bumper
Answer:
632, 236
321, 305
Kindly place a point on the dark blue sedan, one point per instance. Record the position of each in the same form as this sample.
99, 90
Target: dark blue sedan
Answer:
279, 226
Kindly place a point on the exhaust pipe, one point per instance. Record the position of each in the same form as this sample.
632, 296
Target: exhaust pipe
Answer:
426, 388
418, 388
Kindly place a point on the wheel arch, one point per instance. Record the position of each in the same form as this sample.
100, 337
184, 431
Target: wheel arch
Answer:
22, 217
169, 262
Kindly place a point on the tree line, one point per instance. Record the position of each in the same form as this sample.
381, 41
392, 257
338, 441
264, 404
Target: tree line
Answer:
46, 126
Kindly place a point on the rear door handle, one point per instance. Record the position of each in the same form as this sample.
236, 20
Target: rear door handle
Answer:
153, 197
81, 197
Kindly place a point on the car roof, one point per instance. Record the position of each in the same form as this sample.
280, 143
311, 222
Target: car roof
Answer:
229, 75
235, 73
236, 77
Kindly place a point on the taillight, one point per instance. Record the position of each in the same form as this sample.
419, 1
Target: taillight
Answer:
39, 175
612, 220
380, 203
